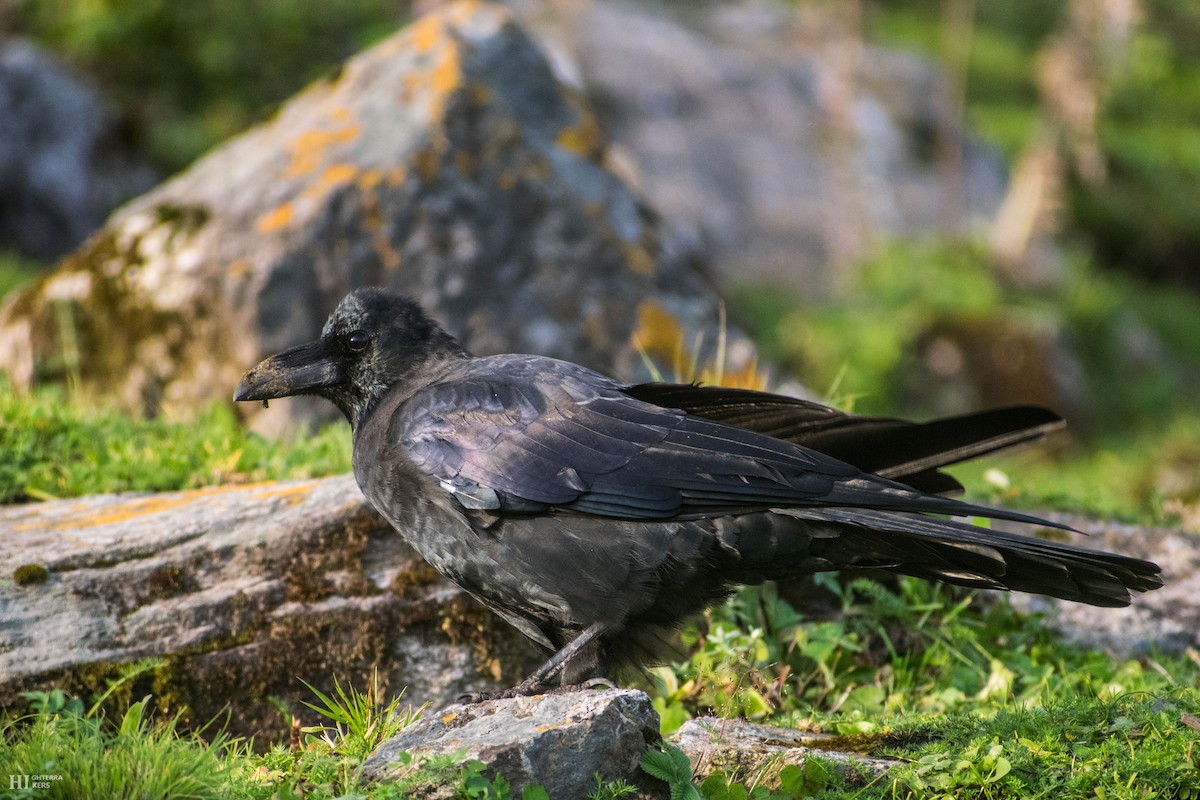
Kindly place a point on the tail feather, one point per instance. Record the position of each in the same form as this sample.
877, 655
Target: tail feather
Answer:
954, 552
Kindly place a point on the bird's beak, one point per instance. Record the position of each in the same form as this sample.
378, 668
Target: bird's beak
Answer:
303, 369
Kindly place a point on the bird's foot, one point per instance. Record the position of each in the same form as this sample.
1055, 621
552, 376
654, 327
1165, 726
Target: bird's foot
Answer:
470, 698
525, 688
529, 687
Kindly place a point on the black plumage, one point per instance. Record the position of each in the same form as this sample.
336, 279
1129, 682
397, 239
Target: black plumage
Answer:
590, 512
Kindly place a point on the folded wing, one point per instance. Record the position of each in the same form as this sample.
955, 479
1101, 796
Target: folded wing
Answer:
524, 433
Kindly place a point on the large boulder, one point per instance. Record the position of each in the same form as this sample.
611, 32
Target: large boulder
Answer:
446, 162
770, 137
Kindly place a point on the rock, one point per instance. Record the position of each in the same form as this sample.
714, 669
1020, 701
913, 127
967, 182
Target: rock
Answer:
1165, 620
559, 740
446, 162
62, 166
768, 136
737, 747
243, 590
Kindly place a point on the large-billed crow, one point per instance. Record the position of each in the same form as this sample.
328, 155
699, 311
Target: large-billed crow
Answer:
591, 515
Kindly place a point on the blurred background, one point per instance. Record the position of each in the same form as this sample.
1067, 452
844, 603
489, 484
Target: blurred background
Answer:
913, 208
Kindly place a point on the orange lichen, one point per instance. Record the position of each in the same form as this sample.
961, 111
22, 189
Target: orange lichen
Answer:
126, 511
460, 13
369, 179
447, 73
508, 179
239, 267
586, 139
275, 219
337, 174
410, 84
373, 221
157, 504
467, 163
426, 33
638, 259
293, 494
308, 149
426, 163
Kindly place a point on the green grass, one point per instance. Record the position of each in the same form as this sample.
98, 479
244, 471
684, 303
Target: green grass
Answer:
16, 271
84, 758
1149, 478
56, 447
1143, 219
975, 699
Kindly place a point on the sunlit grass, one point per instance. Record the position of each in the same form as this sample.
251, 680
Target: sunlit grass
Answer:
57, 447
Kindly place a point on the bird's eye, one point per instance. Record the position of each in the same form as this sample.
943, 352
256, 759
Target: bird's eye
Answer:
357, 341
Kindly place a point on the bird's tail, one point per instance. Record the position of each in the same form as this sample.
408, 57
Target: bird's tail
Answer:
936, 549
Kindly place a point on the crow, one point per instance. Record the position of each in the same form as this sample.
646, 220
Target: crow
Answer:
593, 516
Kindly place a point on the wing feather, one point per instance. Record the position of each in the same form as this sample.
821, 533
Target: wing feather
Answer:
530, 430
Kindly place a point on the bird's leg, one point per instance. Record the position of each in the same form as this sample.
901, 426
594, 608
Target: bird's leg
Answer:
541, 676
539, 680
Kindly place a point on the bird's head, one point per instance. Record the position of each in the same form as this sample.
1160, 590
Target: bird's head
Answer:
373, 340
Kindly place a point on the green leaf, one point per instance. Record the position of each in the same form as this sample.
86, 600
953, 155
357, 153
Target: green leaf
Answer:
802, 780
659, 764
535, 792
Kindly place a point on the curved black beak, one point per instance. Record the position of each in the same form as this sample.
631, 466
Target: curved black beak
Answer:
304, 369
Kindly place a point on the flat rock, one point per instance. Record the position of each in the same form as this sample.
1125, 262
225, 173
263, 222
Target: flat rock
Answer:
738, 747
241, 591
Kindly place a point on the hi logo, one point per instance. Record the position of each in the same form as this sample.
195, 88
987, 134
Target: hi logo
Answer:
21, 782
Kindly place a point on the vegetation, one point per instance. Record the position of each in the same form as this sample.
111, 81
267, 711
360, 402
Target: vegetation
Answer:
59, 447
976, 699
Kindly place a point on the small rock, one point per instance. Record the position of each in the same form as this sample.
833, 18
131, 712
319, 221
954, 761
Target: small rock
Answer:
559, 740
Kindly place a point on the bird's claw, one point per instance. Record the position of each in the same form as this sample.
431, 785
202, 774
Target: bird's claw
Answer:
528, 688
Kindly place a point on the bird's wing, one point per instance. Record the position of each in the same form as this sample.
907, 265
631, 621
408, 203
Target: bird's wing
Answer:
522, 433
909, 452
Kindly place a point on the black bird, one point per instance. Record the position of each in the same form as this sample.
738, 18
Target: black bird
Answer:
593, 515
